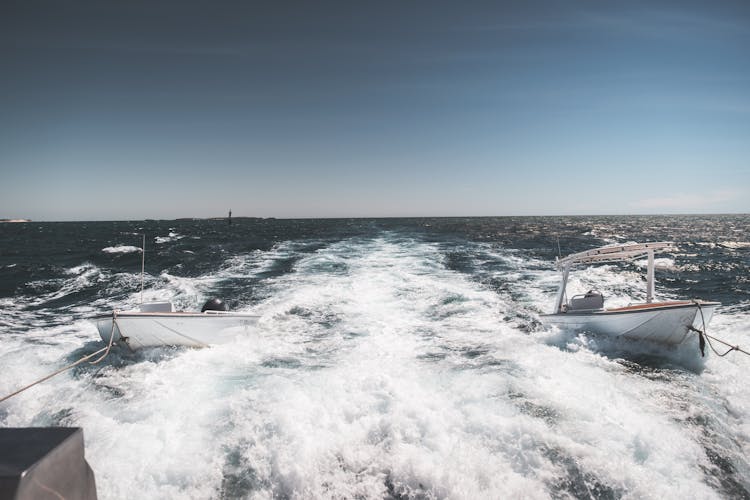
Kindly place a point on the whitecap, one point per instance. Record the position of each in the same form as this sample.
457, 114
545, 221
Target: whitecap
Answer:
172, 236
734, 245
121, 249
660, 263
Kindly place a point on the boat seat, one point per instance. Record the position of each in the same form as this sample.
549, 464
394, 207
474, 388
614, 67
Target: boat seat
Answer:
589, 300
153, 307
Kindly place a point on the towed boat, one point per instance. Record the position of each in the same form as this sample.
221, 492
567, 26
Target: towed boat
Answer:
158, 324
667, 322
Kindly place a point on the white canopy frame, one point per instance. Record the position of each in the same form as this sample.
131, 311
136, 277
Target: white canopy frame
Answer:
612, 253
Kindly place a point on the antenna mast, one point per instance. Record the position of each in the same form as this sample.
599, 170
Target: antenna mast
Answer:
143, 262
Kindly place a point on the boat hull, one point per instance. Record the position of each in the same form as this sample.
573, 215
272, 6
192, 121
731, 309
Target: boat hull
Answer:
666, 322
139, 329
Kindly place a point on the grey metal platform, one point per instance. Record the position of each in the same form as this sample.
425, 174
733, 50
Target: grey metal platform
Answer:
44, 463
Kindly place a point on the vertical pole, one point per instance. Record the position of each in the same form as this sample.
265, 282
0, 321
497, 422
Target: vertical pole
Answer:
143, 262
650, 278
561, 291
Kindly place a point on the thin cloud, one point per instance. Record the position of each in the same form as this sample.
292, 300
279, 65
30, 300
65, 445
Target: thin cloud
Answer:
687, 201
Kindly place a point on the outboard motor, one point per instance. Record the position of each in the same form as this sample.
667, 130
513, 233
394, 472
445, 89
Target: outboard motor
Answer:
214, 305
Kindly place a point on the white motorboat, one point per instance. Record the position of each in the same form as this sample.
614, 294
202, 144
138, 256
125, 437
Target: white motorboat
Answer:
665, 322
158, 324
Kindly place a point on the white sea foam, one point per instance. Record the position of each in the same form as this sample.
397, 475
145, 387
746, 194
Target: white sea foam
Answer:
80, 277
121, 249
660, 264
735, 245
189, 292
172, 236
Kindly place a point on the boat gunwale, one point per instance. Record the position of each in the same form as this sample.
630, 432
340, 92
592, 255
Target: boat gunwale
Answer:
175, 314
662, 305
637, 308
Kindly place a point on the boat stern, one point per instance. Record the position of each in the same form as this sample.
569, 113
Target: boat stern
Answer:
107, 327
703, 314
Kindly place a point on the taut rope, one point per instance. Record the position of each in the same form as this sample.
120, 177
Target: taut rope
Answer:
702, 333
105, 350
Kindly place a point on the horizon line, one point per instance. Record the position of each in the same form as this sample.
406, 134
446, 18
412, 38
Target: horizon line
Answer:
225, 218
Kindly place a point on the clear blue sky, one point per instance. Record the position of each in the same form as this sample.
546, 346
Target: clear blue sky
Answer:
131, 110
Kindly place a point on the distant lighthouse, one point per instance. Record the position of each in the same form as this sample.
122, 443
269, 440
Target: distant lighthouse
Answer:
229, 219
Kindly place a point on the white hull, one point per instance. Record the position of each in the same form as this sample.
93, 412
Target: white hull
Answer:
148, 329
663, 322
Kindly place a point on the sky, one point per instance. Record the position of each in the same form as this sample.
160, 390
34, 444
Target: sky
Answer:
167, 109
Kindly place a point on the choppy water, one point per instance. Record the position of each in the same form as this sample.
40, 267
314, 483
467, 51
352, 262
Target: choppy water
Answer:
394, 359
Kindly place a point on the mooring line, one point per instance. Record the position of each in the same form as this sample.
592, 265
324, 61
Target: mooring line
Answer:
731, 347
105, 350
702, 333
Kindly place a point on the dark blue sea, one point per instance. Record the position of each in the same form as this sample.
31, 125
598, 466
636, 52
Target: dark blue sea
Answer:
394, 358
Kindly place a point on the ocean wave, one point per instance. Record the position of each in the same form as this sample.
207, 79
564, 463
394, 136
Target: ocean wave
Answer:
172, 236
731, 245
84, 268
660, 263
734, 245
121, 249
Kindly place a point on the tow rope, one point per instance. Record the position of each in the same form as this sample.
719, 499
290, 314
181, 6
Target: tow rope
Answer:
704, 337
105, 350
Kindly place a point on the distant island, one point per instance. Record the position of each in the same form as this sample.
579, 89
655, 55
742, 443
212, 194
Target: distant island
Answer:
15, 220
223, 218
